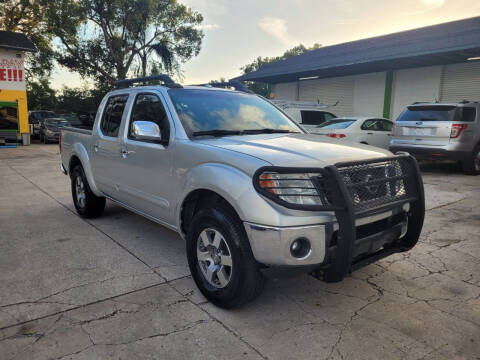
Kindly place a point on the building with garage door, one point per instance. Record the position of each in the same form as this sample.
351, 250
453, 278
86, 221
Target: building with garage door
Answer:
13, 96
380, 76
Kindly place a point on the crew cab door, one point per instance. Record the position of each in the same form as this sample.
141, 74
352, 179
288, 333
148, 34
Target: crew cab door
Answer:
106, 145
146, 173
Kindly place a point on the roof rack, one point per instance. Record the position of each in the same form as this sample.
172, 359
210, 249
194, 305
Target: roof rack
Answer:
167, 80
237, 85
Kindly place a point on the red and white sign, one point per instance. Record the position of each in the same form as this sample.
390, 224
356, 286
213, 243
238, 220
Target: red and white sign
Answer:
12, 72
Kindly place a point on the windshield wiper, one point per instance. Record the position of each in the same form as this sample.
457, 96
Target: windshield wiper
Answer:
268, 131
217, 132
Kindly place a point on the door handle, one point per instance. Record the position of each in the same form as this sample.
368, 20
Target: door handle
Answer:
369, 133
95, 147
125, 153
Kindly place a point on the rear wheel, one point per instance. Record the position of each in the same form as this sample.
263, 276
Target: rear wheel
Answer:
220, 258
87, 204
471, 165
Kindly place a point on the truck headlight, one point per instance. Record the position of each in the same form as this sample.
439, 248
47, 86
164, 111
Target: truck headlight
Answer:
49, 132
292, 188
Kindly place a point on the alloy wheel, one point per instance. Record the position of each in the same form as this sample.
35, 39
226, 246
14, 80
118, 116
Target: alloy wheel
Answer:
80, 191
214, 258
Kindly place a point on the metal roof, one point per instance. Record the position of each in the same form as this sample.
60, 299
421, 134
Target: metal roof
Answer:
15, 41
445, 43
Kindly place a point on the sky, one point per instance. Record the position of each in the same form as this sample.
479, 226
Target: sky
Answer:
238, 31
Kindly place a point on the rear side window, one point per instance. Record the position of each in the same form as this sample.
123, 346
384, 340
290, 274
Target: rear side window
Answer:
377, 125
315, 117
112, 115
372, 125
467, 114
387, 125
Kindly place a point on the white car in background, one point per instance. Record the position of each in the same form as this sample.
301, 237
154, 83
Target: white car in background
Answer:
366, 130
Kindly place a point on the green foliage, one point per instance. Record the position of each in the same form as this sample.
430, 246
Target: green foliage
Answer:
28, 17
79, 100
263, 88
40, 95
107, 40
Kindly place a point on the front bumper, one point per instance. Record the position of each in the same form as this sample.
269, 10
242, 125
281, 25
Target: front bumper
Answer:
365, 231
271, 245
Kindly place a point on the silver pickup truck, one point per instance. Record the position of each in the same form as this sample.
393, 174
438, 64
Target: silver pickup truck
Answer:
243, 184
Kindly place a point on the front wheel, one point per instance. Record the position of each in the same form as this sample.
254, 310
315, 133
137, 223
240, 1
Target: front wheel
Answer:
220, 258
87, 204
471, 165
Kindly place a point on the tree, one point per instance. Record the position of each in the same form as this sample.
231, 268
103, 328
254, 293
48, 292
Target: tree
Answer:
263, 88
79, 100
28, 17
40, 95
107, 40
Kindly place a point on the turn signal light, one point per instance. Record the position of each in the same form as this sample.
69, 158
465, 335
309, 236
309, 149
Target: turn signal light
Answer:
337, 136
457, 130
268, 183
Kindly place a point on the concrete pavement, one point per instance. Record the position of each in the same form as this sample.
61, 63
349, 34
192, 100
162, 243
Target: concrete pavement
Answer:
118, 287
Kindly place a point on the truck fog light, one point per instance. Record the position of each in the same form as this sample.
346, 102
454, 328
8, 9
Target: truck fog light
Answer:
300, 248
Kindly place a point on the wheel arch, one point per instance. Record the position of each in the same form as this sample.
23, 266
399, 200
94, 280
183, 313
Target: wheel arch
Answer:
80, 157
197, 199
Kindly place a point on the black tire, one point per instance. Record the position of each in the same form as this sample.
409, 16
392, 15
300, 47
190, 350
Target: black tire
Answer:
91, 206
471, 165
246, 281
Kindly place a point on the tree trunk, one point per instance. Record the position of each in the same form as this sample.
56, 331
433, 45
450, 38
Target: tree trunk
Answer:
144, 64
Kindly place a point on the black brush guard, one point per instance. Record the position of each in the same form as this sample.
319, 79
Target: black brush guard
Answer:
354, 190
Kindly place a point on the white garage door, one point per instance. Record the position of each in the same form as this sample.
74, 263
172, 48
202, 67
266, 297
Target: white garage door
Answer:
461, 82
329, 91
285, 91
414, 85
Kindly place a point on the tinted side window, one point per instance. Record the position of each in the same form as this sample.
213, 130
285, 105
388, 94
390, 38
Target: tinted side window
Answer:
148, 107
468, 114
387, 125
372, 125
112, 115
312, 117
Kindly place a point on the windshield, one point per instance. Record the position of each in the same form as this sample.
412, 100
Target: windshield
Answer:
337, 124
209, 110
428, 113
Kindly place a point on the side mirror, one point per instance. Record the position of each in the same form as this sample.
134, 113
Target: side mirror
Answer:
146, 130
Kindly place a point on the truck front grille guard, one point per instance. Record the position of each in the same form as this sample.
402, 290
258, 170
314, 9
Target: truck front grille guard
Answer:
357, 189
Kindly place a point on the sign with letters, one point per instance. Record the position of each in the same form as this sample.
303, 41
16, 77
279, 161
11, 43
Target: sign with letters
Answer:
12, 72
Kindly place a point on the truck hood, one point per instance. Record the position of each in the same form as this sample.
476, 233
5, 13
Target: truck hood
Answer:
297, 150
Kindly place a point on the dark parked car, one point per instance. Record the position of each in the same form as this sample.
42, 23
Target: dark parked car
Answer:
50, 129
37, 118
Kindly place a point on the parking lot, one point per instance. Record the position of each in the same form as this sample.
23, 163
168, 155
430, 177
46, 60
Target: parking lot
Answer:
119, 286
